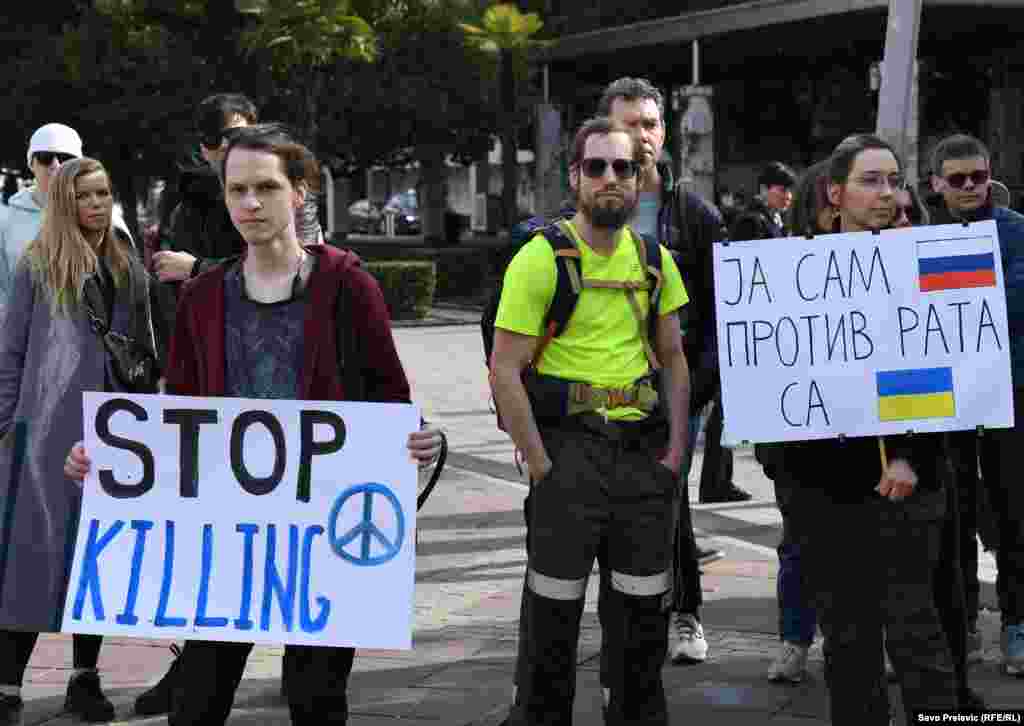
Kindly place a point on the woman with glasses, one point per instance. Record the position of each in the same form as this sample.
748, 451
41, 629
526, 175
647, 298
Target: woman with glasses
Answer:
78, 278
49, 147
869, 530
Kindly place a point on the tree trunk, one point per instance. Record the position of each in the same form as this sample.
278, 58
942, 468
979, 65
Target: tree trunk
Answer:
433, 197
509, 147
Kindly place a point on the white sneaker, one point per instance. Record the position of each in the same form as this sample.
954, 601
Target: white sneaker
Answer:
790, 665
687, 639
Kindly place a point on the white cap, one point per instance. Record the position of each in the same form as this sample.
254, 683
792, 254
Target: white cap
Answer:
55, 137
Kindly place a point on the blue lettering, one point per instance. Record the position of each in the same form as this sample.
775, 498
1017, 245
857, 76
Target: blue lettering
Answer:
128, 617
89, 579
161, 620
272, 584
244, 621
308, 624
202, 620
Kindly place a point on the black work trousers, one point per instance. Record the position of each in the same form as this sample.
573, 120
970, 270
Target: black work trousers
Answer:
211, 671
870, 566
607, 499
16, 648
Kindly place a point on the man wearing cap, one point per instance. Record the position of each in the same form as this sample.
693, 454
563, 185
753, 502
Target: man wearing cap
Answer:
50, 146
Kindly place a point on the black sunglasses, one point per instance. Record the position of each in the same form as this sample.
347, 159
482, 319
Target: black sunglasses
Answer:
596, 167
46, 157
215, 140
957, 181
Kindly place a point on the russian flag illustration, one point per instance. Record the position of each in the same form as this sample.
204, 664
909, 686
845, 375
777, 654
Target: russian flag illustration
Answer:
954, 264
915, 393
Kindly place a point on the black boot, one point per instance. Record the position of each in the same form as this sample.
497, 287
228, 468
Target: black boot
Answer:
157, 700
10, 710
85, 698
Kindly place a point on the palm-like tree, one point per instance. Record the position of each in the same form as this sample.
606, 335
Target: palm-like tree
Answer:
508, 33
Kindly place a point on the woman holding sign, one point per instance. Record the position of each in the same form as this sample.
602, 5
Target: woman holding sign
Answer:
869, 527
78, 319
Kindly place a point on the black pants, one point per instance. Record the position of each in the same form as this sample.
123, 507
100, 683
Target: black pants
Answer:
1003, 452
948, 585
610, 500
870, 568
716, 472
317, 683
17, 646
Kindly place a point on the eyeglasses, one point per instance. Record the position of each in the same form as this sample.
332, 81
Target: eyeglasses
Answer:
878, 182
595, 168
977, 178
46, 157
214, 141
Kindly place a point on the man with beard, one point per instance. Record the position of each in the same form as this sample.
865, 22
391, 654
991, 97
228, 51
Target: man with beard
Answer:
962, 181
603, 446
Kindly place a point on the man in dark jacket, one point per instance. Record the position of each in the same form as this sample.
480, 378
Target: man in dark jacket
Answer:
962, 180
763, 218
689, 227
199, 233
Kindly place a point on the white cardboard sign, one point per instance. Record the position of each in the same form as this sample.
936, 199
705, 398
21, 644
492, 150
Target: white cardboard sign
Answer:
863, 334
246, 520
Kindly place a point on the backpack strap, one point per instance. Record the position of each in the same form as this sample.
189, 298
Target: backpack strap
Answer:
649, 252
568, 284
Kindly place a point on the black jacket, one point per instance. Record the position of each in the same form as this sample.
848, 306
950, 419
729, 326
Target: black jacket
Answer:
199, 225
756, 222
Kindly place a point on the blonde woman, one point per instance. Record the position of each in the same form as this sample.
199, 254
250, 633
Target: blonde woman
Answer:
75, 280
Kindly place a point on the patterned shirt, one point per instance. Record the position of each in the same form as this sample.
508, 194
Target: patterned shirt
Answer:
262, 342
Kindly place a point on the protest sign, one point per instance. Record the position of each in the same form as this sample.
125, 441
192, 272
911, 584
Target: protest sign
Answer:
863, 334
246, 520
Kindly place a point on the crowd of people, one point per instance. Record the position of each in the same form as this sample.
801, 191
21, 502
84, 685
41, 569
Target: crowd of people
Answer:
604, 365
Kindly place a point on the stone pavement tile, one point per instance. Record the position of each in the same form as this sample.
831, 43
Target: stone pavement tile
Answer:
755, 615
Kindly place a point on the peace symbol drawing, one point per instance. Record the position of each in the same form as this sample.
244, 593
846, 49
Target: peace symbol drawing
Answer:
366, 532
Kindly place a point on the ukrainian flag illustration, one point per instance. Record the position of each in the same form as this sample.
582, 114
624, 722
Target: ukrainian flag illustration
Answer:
915, 393
955, 264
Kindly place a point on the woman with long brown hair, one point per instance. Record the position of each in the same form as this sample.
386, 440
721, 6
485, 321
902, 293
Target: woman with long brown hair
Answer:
77, 282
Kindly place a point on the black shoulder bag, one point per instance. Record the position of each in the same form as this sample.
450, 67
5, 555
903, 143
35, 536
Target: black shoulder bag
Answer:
133, 362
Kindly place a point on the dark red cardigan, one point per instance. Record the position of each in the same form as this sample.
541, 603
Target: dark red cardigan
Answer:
196, 360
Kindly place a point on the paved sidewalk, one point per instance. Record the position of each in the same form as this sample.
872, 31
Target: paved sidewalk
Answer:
469, 577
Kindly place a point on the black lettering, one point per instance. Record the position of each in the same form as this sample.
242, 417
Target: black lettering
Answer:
814, 400
934, 325
857, 332
782, 405
758, 279
986, 314
739, 277
760, 338
832, 274
960, 320
252, 484
904, 329
796, 342
876, 256
799, 287
810, 333
189, 419
310, 448
832, 337
728, 340
111, 485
